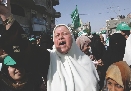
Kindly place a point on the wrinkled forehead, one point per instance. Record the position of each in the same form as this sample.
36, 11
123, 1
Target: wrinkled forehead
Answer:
62, 27
66, 29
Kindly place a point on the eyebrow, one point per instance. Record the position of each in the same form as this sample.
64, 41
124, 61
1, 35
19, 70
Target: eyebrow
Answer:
62, 32
108, 81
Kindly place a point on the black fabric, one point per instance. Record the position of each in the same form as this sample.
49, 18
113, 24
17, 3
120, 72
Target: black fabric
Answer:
97, 47
116, 49
127, 32
114, 53
2, 28
40, 60
33, 84
15, 45
14, 33
46, 42
34, 57
13, 37
98, 50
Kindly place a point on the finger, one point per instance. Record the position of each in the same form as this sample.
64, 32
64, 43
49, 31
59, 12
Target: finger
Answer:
99, 61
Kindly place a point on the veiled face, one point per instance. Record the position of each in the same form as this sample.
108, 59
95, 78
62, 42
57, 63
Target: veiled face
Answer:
16, 73
62, 39
114, 86
86, 49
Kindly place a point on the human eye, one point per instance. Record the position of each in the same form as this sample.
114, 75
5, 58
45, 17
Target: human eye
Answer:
109, 83
57, 35
65, 33
118, 86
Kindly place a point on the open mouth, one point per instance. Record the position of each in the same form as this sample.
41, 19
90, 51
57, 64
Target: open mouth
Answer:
62, 43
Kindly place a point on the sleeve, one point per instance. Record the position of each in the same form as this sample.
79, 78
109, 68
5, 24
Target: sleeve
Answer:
127, 54
44, 62
40, 61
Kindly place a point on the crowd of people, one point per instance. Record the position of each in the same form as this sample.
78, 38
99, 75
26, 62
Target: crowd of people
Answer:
81, 64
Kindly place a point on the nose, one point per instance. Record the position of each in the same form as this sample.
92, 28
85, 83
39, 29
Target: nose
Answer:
17, 69
61, 37
112, 88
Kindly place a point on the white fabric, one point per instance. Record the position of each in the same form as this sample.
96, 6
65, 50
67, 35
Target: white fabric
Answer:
127, 55
0, 66
1, 58
95, 62
118, 32
73, 71
104, 35
107, 42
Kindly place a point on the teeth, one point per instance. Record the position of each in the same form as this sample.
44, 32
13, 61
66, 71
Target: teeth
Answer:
62, 43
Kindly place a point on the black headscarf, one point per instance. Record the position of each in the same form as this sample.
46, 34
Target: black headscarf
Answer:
116, 50
97, 47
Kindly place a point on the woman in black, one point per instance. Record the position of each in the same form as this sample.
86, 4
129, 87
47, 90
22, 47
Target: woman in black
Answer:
15, 74
98, 50
14, 35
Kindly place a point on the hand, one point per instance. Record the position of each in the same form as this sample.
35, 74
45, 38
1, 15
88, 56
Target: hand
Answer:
100, 63
91, 57
2, 57
5, 11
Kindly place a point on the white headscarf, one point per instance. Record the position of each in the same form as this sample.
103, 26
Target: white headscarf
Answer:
73, 71
127, 55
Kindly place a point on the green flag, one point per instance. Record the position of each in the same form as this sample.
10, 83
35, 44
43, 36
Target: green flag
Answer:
75, 17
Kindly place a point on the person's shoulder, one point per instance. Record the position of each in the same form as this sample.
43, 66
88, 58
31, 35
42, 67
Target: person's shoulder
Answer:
38, 51
45, 51
117, 36
16, 26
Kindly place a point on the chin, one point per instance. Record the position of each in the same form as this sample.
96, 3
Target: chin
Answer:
64, 51
18, 78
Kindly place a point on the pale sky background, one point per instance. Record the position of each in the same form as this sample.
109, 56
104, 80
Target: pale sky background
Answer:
98, 11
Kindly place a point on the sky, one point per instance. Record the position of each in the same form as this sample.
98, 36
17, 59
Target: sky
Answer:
98, 11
